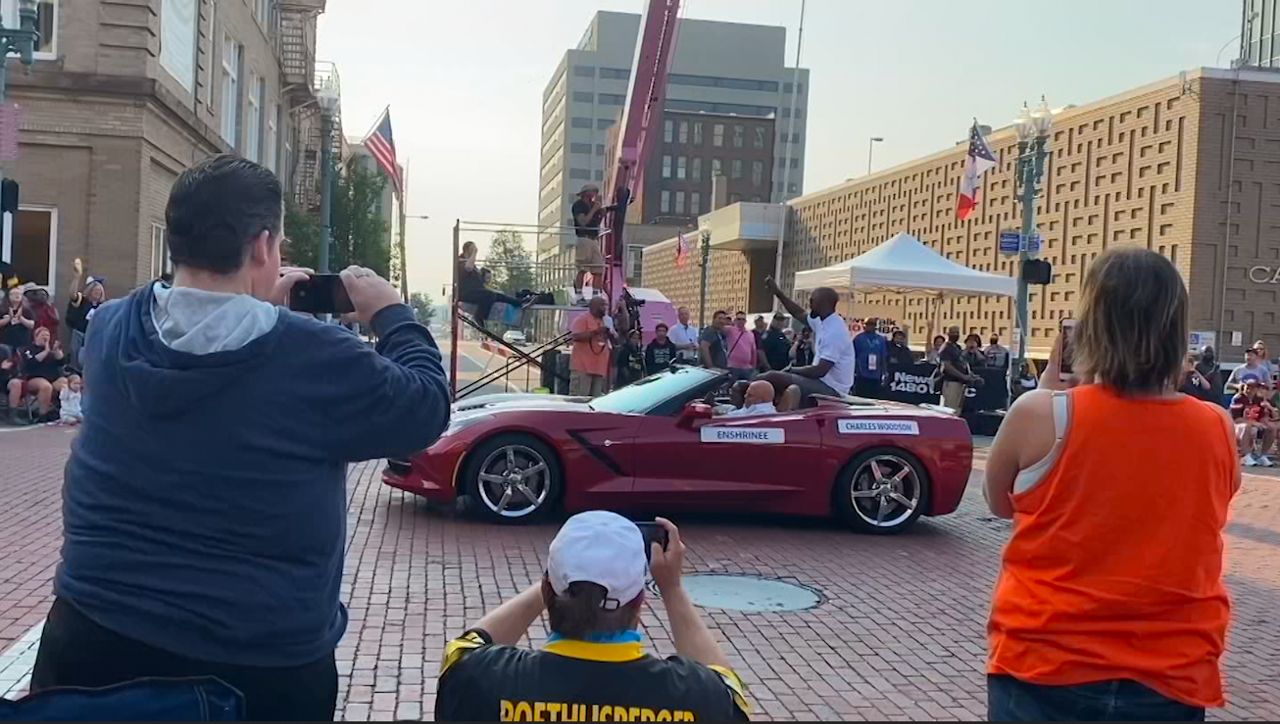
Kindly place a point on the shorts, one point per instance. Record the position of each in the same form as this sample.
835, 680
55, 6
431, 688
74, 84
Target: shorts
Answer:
586, 254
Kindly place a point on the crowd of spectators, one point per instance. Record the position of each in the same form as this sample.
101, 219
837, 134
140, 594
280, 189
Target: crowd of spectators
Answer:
39, 371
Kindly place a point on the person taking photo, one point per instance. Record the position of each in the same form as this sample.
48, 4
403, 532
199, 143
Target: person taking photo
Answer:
594, 666
205, 498
1110, 604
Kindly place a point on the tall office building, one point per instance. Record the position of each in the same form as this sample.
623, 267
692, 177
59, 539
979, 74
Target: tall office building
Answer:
1260, 34
729, 76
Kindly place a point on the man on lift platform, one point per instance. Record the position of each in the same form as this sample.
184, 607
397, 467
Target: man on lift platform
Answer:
588, 212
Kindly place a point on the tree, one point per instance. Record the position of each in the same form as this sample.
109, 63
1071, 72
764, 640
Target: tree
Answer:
510, 262
422, 306
359, 231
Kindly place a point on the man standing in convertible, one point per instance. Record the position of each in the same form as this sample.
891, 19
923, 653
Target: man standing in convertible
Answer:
832, 370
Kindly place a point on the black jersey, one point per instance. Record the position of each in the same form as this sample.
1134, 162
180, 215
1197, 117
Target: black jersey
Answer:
581, 681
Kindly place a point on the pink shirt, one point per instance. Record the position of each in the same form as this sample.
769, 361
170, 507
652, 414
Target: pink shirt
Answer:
741, 344
593, 355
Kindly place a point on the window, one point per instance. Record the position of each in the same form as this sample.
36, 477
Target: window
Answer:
599, 149
793, 188
612, 99
697, 134
736, 109
717, 135
707, 81
695, 203
716, 167
760, 134
262, 9
683, 135
231, 51
680, 164
583, 96
580, 148
253, 134
599, 175
664, 202
695, 170
584, 71
160, 263
668, 130
580, 173
178, 40
603, 123
34, 243
735, 170
580, 122
635, 264
271, 152
666, 167
795, 163
615, 73
46, 24
679, 202
757, 173
737, 136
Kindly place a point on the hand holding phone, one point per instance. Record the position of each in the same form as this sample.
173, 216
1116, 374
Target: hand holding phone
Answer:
653, 532
321, 294
1066, 360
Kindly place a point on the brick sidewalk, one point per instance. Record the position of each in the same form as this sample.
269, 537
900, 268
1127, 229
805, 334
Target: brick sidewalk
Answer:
899, 635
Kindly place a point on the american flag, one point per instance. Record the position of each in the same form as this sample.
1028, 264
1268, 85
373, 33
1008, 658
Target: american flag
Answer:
978, 161
682, 249
383, 147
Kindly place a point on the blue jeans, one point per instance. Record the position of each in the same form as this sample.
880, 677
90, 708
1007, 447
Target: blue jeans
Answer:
1117, 700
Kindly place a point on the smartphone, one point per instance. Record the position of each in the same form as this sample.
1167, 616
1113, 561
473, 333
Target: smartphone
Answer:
1067, 360
321, 294
652, 532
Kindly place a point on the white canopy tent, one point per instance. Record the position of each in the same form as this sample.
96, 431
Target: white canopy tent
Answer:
905, 265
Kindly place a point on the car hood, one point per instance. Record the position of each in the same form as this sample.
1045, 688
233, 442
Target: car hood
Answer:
490, 404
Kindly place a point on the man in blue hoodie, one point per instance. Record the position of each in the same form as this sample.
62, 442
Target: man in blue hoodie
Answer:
204, 506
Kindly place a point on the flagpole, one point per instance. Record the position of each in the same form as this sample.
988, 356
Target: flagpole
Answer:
404, 260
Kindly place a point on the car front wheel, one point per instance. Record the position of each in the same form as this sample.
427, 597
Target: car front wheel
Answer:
513, 478
882, 491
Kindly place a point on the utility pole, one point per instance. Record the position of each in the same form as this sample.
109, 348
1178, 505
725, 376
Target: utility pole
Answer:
326, 191
705, 249
21, 40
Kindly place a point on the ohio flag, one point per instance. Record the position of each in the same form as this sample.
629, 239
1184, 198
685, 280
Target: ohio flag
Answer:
978, 161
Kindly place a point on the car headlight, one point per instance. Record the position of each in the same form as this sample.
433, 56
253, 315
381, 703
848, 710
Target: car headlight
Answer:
462, 423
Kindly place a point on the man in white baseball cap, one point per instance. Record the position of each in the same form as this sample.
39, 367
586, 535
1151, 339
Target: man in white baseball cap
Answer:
593, 666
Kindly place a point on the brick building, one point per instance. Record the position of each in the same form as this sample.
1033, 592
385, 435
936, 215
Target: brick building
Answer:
126, 94
1152, 168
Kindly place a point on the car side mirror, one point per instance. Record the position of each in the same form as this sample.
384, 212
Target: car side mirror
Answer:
693, 412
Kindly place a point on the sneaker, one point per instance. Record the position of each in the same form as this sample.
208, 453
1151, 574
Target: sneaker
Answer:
1250, 461
1265, 461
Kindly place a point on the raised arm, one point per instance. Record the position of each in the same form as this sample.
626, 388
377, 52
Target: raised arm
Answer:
692, 638
788, 303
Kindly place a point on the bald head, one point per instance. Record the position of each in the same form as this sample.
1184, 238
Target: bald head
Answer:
759, 392
823, 301
953, 334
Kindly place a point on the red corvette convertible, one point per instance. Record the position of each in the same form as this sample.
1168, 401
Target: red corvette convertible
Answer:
654, 446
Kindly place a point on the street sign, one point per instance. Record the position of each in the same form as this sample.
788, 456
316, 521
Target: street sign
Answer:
1199, 340
1010, 241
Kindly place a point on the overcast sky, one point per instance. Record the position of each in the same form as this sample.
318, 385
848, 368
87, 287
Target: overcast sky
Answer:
464, 80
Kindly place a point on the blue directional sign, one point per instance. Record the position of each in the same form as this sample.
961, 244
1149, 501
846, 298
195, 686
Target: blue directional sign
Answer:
1010, 242
1033, 245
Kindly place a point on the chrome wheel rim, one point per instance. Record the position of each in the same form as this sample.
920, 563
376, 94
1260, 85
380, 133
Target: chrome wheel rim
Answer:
886, 491
514, 481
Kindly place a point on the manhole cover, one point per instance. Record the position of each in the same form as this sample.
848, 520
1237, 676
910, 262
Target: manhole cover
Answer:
748, 593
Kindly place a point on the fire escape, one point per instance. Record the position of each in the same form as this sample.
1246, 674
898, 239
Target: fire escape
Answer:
296, 45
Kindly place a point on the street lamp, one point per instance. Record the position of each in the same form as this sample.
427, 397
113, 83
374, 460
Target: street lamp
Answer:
871, 145
1033, 129
328, 97
21, 40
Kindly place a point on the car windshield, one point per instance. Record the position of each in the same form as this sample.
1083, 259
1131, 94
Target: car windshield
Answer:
640, 397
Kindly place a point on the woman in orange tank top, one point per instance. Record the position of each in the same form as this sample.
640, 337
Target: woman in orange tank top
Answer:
1110, 603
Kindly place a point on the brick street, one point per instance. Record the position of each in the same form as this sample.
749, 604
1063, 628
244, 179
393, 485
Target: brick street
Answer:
899, 633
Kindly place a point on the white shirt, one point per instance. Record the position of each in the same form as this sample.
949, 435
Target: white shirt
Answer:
683, 334
761, 408
831, 342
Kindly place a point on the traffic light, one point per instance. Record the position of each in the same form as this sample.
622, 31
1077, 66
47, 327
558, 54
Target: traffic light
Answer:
1037, 271
9, 196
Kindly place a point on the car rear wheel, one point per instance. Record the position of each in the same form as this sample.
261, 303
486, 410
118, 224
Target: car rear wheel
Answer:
513, 478
882, 491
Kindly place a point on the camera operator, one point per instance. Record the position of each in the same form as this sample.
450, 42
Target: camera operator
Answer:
204, 506
594, 666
